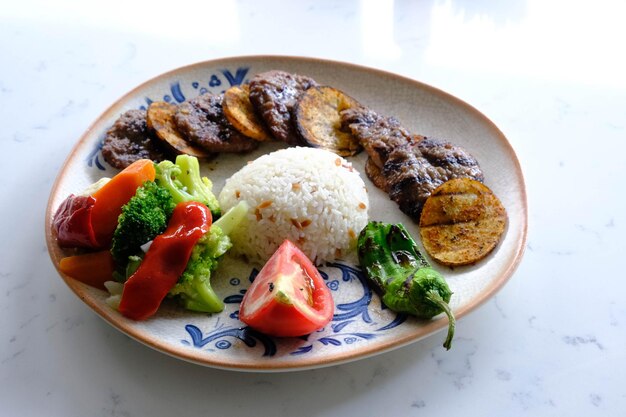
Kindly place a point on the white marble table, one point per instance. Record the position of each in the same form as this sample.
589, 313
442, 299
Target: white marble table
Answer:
550, 74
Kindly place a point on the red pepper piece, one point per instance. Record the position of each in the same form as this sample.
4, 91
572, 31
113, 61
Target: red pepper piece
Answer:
72, 222
93, 268
165, 261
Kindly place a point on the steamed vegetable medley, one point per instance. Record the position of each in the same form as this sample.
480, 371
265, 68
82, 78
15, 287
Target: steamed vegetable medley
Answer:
150, 228
156, 231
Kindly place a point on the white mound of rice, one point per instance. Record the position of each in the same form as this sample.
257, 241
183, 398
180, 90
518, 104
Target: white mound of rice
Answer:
310, 196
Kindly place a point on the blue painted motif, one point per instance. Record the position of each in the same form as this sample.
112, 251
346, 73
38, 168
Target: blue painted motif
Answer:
214, 81
93, 159
400, 318
357, 307
333, 285
303, 349
239, 76
235, 298
245, 334
177, 92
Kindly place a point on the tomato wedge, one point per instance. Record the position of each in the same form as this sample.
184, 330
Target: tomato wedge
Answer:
288, 297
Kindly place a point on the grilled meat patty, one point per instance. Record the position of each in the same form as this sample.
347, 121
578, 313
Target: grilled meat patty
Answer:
378, 135
202, 121
407, 166
129, 140
375, 174
274, 95
412, 172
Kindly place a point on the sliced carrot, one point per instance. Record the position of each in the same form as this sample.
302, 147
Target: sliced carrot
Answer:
93, 268
114, 194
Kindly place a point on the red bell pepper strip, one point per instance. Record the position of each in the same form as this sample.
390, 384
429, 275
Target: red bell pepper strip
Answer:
165, 261
72, 222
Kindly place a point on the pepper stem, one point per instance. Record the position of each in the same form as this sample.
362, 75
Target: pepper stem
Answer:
434, 296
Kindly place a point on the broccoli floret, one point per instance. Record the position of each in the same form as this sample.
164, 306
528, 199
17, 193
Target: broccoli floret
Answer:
194, 286
182, 179
143, 218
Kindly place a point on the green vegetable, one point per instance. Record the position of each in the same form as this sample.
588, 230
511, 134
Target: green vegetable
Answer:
194, 287
143, 218
147, 214
402, 276
182, 179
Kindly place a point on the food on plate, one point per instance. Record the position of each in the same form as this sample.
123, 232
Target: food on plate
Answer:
149, 212
114, 194
88, 221
375, 174
143, 218
129, 140
201, 120
183, 181
240, 113
379, 135
160, 120
158, 229
274, 95
93, 268
310, 196
402, 276
288, 297
194, 289
163, 237
165, 261
415, 170
72, 222
409, 167
318, 121
462, 221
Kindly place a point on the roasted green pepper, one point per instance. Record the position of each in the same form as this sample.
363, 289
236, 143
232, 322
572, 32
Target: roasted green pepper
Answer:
401, 275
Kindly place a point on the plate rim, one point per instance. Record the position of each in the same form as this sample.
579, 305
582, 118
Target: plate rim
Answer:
427, 330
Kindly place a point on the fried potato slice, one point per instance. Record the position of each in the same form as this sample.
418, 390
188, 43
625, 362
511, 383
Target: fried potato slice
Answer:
462, 221
240, 113
160, 119
318, 121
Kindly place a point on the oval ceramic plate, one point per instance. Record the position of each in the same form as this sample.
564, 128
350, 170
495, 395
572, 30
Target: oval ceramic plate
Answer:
360, 327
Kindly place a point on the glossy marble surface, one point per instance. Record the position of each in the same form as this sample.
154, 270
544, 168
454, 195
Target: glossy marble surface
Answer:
548, 73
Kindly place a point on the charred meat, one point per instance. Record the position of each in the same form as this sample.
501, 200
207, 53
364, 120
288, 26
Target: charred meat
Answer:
129, 140
202, 121
414, 171
274, 95
375, 174
379, 135
407, 166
